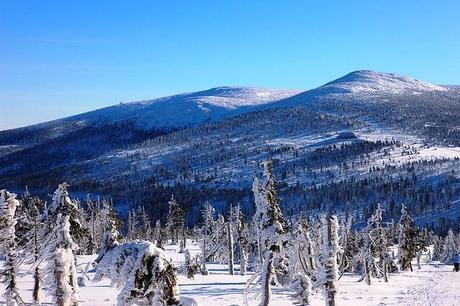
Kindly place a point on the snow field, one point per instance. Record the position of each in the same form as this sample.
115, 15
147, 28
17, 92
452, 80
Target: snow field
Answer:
430, 285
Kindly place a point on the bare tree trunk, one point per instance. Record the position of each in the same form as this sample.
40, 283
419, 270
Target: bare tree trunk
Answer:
259, 248
367, 270
419, 255
60, 299
73, 282
243, 261
385, 271
36, 291
311, 257
267, 278
183, 241
230, 249
204, 269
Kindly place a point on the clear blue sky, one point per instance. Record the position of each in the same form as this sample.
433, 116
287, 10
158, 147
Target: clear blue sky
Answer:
59, 58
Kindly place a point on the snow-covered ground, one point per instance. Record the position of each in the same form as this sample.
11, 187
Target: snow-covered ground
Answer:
430, 285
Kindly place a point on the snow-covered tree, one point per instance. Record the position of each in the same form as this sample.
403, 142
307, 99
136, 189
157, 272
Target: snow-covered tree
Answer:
271, 227
438, 248
112, 237
328, 259
257, 221
190, 265
159, 235
375, 245
134, 231
58, 247
406, 239
236, 219
61, 204
144, 273
8, 246
144, 222
94, 226
306, 247
302, 265
175, 220
450, 247
348, 245
207, 215
231, 270
28, 229
60, 271
302, 288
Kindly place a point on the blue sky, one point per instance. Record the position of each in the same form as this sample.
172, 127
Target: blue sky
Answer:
59, 58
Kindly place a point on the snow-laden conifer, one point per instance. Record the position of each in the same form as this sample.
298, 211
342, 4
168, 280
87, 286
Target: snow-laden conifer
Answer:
406, 239
271, 228
207, 215
450, 247
175, 220
111, 237
143, 273
8, 247
60, 271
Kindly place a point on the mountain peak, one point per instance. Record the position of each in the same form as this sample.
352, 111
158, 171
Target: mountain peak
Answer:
373, 81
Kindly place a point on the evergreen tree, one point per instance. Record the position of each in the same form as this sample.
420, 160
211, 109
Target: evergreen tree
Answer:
28, 229
271, 226
112, 237
190, 267
207, 215
375, 245
236, 218
159, 235
61, 272
175, 221
58, 247
450, 247
438, 248
406, 239
61, 204
8, 246
93, 225
146, 228
133, 226
145, 274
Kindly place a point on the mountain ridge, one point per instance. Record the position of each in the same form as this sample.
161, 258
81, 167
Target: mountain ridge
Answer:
114, 152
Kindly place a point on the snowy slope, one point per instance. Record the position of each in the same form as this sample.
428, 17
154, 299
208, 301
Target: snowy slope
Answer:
162, 113
363, 85
364, 81
186, 109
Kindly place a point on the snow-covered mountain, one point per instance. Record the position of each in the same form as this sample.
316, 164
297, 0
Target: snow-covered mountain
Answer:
172, 112
365, 81
363, 85
186, 109
214, 140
